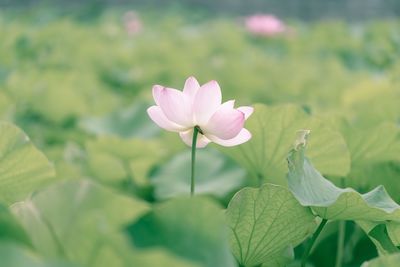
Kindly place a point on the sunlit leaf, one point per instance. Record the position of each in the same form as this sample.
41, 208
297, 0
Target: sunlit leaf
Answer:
23, 168
360, 101
280, 259
264, 222
375, 154
375, 145
393, 229
384, 261
6, 103
273, 131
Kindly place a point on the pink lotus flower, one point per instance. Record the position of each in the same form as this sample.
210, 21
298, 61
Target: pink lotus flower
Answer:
200, 107
132, 23
265, 25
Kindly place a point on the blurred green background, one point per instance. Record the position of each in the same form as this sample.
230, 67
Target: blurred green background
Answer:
77, 77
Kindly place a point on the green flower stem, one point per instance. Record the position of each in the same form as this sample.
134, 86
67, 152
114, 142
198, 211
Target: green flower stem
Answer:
194, 143
312, 241
341, 236
340, 246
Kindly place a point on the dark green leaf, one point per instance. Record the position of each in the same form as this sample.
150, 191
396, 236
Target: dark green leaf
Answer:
192, 228
378, 233
10, 229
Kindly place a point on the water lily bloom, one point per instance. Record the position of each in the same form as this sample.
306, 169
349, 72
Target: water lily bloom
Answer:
200, 107
265, 25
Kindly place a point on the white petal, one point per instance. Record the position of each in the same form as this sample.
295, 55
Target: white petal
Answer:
157, 92
246, 110
191, 87
156, 114
226, 123
187, 138
241, 138
176, 107
206, 102
228, 104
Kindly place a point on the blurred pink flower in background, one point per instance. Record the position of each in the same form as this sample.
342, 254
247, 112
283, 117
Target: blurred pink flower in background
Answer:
265, 25
132, 23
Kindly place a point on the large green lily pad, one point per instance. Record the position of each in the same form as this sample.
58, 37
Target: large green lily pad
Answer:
329, 201
23, 168
377, 144
80, 221
273, 131
266, 221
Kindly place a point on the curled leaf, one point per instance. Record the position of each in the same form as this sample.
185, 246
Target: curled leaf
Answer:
334, 203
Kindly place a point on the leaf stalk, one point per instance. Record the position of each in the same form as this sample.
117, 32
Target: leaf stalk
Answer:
340, 246
312, 241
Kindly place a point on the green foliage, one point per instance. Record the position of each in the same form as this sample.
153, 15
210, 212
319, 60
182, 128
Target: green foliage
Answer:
79, 87
192, 228
331, 202
284, 258
129, 122
384, 261
80, 213
23, 168
264, 222
375, 156
375, 145
214, 175
113, 160
10, 229
378, 233
12, 255
393, 229
274, 129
